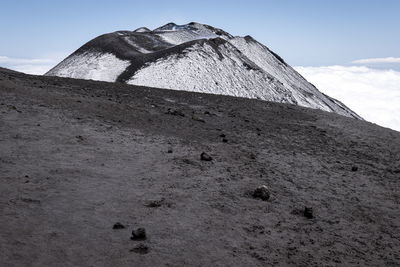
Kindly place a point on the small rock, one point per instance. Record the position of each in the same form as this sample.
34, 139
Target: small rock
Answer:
155, 203
141, 249
118, 226
204, 156
169, 150
175, 112
262, 192
308, 212
189, 161
139, 234
354, 168
222, 135
224, 140
195, 118
30, 200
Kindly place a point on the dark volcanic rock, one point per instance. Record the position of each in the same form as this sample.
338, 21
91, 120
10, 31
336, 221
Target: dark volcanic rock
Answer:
118, 226
139, 234
156, 203
262, 192
308, 212
204, 156
141, 249
176, 112
196, 118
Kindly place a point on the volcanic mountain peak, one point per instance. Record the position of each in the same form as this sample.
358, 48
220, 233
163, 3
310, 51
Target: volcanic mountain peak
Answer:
195, 57
142, 29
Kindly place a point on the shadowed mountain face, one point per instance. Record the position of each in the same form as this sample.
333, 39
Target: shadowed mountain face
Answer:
195, 57
78, 157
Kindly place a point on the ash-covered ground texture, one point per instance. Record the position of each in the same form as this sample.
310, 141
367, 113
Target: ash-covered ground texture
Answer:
195, 57
107, 174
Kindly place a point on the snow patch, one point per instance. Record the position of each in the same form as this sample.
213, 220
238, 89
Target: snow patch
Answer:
178, 34
305, 93
203, 70
91, 66
136, 46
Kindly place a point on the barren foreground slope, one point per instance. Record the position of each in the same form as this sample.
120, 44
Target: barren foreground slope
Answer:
78, 156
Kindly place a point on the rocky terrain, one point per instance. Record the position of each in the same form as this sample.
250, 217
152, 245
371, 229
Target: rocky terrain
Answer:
108, 174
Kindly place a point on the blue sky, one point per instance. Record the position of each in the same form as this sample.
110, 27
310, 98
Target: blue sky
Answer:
303, 32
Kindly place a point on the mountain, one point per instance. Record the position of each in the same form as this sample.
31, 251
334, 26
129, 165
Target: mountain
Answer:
78, 156
195, 57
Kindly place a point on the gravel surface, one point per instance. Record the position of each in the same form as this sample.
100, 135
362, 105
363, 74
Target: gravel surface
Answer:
77, 157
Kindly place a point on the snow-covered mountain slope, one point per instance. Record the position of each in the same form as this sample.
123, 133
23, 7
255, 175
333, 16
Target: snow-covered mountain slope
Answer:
94, 66
195, 57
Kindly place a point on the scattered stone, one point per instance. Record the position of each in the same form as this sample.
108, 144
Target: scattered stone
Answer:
140, 249
204, 156
30, 200
308, 212
155, 203
224, 140
222, 135
189, 161
79, 137
195, 118
354, 168
175, 112
118, 225
262, 192
139, 234
169, 150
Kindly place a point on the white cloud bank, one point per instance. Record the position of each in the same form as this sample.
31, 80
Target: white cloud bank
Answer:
373, 94
370, 61
30, 66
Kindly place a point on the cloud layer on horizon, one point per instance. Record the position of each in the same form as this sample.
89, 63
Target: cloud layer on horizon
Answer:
371, 61
30, 66
372, 93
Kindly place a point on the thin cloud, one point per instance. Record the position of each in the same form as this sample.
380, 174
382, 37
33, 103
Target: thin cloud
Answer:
373, 94
37, 66
8, 60
370, 61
